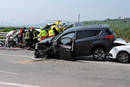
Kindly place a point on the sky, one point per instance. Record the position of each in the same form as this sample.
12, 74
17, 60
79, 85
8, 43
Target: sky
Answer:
38, 11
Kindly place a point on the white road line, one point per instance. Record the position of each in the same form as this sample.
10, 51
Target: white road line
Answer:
17, 56
12, 73
16, 84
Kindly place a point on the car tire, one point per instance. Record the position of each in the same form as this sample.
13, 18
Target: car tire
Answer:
12, 44
1, 45
36, 55
99, 54
44, 54
123, 57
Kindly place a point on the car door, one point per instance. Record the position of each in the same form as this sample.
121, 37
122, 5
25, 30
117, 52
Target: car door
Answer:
84, 41
65, 45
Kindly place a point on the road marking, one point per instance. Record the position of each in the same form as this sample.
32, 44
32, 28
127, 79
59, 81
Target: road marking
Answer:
16, 84
12, 73
17, 56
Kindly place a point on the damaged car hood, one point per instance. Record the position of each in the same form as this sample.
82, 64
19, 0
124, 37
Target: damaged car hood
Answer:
120, 41
46, 40
124, 45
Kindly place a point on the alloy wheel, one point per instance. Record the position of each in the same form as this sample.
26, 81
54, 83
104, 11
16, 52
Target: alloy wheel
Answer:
99, 54
123, 57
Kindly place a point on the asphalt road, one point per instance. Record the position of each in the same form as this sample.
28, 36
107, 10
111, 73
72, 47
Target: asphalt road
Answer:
19, 69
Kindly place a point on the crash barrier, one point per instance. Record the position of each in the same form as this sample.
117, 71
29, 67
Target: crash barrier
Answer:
3, 36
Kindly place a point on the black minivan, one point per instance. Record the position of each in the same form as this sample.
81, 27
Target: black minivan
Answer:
93, 40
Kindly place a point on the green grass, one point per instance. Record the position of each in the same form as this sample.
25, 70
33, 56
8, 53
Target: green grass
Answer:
7, 29
120, 27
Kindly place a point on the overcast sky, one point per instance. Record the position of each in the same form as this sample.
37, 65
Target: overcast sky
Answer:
38, 11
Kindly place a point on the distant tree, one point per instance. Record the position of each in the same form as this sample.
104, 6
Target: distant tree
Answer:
12, 28
119, 17
108, 19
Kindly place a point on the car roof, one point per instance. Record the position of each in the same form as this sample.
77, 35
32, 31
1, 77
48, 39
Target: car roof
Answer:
90, 27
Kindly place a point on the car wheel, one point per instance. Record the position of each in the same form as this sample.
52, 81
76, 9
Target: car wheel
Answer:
99, 54
1, 45
12, 44
123, 57
36, 54
44, 54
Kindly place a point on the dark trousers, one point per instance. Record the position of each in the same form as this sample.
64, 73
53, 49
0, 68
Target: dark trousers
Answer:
33, 43
27, 42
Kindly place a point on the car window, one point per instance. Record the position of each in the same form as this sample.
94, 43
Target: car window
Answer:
66, 41
70, 35
109, 31
87, 33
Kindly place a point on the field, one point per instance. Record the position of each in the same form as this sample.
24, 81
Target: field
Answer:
7, 29
120, 27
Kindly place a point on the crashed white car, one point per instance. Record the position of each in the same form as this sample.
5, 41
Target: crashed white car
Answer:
121, 51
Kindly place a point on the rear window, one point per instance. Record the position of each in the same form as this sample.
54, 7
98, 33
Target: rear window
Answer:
87, 33
108, 31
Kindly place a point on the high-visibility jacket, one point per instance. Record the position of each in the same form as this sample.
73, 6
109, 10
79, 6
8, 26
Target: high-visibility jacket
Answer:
27, 35
58, 22
35, 34
43, 33
55, 26
51, 32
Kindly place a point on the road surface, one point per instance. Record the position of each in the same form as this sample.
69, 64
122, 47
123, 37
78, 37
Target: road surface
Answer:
19, 69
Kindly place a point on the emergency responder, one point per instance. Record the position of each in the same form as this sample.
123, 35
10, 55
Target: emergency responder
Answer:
43, 34
59, 27
22, 31
34, 37
27, 39
51, 33
59, 22
47, 27
55, 31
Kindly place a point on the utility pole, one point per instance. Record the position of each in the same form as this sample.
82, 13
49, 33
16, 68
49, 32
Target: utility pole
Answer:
78, 18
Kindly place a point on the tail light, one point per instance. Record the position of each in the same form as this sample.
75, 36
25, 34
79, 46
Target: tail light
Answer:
110, 37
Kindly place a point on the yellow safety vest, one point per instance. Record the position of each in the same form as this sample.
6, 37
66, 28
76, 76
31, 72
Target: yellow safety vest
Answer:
51, 32
35, 34
58, 23
43, 33
27, 35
